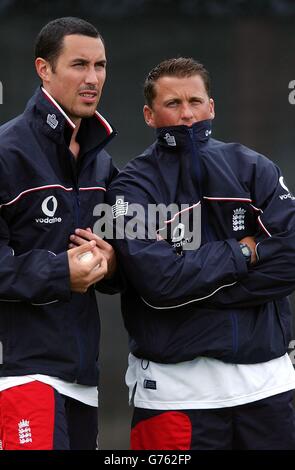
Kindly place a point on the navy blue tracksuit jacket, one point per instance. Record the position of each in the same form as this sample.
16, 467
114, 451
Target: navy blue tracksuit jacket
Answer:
204, 301
44, 195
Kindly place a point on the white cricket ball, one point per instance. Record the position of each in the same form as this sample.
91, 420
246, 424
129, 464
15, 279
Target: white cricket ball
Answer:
87, 258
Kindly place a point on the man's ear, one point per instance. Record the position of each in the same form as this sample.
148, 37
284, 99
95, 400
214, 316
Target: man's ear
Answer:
212, 109
148, 115
43, 69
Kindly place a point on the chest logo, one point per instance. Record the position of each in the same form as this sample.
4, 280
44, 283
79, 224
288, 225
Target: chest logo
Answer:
50, 201
239, 219
178, 233
288, 195
49, 206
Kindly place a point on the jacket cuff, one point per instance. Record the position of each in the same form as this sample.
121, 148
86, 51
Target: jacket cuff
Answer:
114, 285
59, 280
239, 259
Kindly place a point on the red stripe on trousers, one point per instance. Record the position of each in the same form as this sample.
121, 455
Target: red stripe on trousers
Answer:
171, 430
27, 417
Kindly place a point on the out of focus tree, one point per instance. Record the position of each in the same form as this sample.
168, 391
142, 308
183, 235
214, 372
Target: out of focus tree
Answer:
126, 8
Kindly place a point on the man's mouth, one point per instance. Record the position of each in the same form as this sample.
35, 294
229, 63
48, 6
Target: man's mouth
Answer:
88, 96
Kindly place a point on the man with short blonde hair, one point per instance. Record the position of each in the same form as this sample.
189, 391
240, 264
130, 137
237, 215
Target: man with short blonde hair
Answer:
206, 307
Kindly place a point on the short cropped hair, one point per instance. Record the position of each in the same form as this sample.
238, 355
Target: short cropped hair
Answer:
177, 67
49, 42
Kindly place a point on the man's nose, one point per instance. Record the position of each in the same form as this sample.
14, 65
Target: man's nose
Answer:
186, 112
91, 76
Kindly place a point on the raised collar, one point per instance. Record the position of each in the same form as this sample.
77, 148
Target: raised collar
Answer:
56, 124
177, 136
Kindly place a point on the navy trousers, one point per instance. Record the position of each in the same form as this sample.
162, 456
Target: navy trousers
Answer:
267, 424
76, 425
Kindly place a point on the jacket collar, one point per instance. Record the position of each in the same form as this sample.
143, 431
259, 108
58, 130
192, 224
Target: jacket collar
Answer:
177, 136
53, 121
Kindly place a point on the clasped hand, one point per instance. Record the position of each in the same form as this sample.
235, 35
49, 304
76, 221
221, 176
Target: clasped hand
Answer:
83, 275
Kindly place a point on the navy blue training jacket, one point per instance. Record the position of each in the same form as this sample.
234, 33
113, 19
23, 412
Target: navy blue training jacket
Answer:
44, 195
183, 303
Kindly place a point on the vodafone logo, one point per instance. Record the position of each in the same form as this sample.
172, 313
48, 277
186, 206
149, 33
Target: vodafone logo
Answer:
50, 201
288, 195
178, 233
49, 206
282, 183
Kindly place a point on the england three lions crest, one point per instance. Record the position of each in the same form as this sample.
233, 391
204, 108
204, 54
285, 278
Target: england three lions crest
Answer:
239, 219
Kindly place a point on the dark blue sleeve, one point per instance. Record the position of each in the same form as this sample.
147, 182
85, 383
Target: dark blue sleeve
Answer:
116, 284
37, 276
273, 276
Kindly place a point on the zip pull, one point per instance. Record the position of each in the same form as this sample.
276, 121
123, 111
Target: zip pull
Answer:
191, 132
195, 161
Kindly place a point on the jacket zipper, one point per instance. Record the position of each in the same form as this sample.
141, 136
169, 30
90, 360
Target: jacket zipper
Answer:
205, 227
76, 206
76, 196
198, 173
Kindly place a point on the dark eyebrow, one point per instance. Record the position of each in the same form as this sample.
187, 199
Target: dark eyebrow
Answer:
177, 100
101, 62
85, 62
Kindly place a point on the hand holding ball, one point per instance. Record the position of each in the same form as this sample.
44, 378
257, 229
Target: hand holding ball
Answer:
86, 258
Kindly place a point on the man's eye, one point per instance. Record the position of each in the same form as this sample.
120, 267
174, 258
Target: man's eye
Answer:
172, 104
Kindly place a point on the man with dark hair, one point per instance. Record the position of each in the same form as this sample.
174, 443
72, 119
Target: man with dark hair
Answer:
49, 42
206, 307
53, 172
